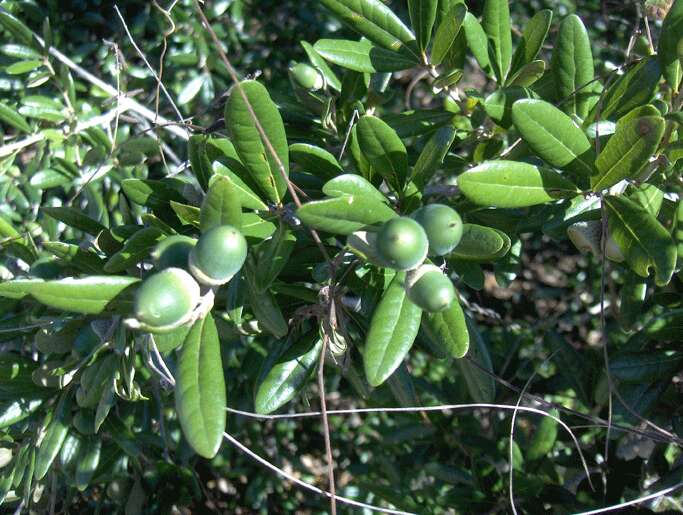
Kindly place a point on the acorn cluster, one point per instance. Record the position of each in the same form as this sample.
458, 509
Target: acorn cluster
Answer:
167, 298
404, 244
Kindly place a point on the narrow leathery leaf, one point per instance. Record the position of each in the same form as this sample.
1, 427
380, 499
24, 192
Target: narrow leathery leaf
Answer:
267, 311
634, 88
496, 24
89, 295
273, 256
49, 178
433, 153
572, 65
200, 395
76, 219
543, 440
628, 150
677, 229
533, 37
14, 411
645, 366
393, 328
344, 215
315, 160
221, 205
55, 433
422, 17
632, 296
199, 160
572, 366
478, 243
669, 43
13, 118
17, 28
384, 150
480, 384
351, 184
374, 20
477, 42
248, 198
665, 327
88, 460
417, 123
447, 33
553, 136
639, 398
319, 63
642, 239
649, 196
288, 373
528, 74
150, 193
362, 56
402, 387
250, 146
513, 184
188, 215
135, 249
498, 105
448, 330
449, 79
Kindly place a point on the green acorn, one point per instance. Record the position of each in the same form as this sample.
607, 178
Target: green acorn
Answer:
306, 77
173, 252
218, 255
443, 226
429, 288
402, 243
165, 300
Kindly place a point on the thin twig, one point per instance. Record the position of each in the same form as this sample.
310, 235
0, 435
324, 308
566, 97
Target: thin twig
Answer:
257, 123
655, 495
326, 426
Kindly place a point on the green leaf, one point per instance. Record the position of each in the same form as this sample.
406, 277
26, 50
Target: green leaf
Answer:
49, 178
393, 328
645, 366
16, 27
634, 88
191, 89
150, 193
498, 105
273, 255
88, 461
480, 385
247, 197
477, 42
320, 64
432, 155
628, 150
478, 243
89, 295
135, 249
513, 184
13, 119
22, 67
384, 150
528, 74
422, 17
447, 32
496, 24
221, 205
543, 440
315, 160
255, 227
669, 43
248, 142
351, 184
533, 37
665, 327
55, 433
641, 238
344, 215
188, 215
448, 330
362, 56
199, 160
287, 373
632, 298
200, 396
553, 136
572, 66
374, 20
76, 219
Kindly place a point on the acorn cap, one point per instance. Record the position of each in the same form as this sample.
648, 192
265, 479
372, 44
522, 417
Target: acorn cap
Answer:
402, 243
219, 254
165, 301
429, 288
